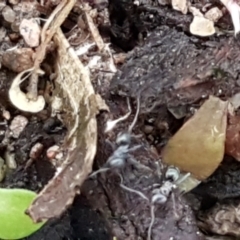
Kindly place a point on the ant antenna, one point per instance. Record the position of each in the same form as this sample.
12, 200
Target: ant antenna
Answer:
136, 115
112, 123
152, 208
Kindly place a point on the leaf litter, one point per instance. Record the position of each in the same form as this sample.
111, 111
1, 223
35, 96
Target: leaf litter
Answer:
200, 151
74, 101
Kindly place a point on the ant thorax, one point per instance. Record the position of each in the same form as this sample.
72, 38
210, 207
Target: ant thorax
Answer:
124, 139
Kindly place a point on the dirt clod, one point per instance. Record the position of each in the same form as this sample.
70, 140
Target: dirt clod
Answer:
18, 60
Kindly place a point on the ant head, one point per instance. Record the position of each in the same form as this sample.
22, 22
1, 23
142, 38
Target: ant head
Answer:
172, 173
123, 139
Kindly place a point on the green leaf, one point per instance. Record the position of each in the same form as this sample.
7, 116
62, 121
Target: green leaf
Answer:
14, 223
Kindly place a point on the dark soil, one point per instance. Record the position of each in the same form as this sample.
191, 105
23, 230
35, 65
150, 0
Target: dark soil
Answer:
173, 73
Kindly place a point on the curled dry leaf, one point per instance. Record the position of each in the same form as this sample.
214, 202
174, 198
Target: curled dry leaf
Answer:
30, 30
198, 147
80, 106
18, 60
19, 98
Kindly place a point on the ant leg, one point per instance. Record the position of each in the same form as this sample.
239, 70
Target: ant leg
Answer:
174, 206
137, 164
136, 115
112, 145
98, 171
131, 189
132, 149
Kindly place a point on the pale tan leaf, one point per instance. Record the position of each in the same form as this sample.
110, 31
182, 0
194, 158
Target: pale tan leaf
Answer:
198, 147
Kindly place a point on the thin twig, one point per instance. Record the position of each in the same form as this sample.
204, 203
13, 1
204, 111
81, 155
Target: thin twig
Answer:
94, 31
49, 29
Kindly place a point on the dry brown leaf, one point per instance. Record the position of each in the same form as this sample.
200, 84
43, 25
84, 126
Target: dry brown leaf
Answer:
18, 60
198, 147
80, 106
232, 145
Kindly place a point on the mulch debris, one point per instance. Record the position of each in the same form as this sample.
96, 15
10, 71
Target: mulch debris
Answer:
69, 68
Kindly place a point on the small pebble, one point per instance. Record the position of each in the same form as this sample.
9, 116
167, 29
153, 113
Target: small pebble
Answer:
2, 169
214, 14
52, 152
150, 138
8, 14
202, 26
30, 31
10, 160
36, 151
17, 125
6, 114
148, 129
